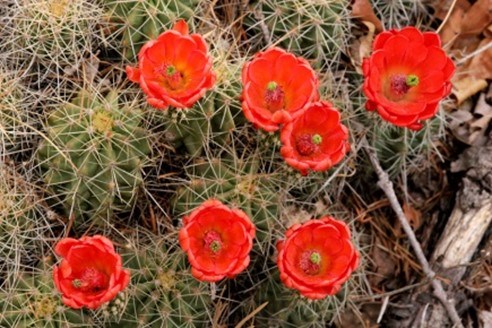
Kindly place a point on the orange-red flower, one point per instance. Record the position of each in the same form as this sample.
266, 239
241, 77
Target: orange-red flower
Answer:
218, 241
317, 257
90, 273
276, 87
406, 76
174, 70
315, 140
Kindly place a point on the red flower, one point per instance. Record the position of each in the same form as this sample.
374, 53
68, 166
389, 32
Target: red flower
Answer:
174, 70
317, 257
315, 140
276, 87
90, 272
406, 76
217, 240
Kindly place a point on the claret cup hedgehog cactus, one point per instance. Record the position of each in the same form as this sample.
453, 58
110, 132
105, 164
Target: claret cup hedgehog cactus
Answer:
93, 157
315, 29
236, 182
210, 122
34, 302
140, 21
20, 220
162, 292
53, 33
16, 116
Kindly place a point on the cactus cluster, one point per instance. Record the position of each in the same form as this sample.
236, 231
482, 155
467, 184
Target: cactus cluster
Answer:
315, 29
208, 123
403, 150
16, 116
29, 299
21, 222
92, 159
53, 33
235, 181
163, 292
137, 22
286, 309
101, 156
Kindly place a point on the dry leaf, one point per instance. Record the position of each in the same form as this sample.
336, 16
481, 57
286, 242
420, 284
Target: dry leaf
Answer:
413, 216
477, 18
466, 87
384, 264
452, 28
481, 65
362, 47
488, 31
471, 126
441, 7
485, 318
362, 9
472, 77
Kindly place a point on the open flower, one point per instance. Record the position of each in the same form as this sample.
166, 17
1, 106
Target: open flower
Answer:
90, 273
218, 241
315, 140
174, 70
317, 257
276, 87
406, 76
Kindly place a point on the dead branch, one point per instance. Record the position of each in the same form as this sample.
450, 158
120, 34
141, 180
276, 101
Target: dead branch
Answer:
387, 186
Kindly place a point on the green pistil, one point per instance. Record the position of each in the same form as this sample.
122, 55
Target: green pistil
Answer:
316, 139
412, 80
77, 283
215, 246
170, 70
315, 258
271, 86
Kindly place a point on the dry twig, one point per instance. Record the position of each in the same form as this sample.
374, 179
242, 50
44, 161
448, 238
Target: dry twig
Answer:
387, 186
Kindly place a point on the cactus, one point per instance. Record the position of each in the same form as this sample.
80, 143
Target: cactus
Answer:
16, 116
398, 14
94, 154
315, 29
53, 33
162, 293
286, 308
208, 123
236, 182
31, 300
401, 150
138, 21
20, 220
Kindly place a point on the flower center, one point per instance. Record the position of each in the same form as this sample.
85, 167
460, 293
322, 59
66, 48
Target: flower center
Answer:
213, 241
91, 280
274, 96
170, 70
310, 262
400, 84
170, 77
307, 144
